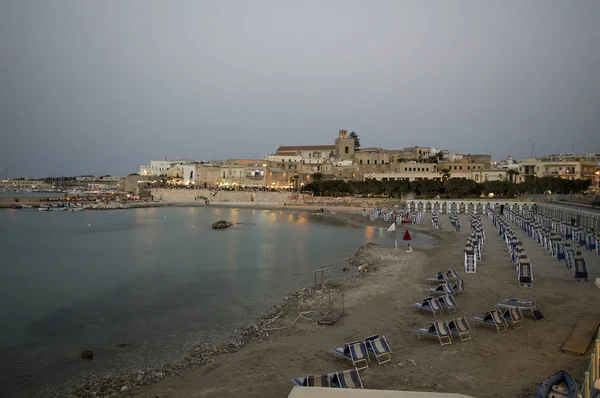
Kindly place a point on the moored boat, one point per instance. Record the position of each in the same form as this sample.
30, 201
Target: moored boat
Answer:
559, 384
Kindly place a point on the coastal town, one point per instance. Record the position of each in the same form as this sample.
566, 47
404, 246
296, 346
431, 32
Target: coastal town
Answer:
295, 167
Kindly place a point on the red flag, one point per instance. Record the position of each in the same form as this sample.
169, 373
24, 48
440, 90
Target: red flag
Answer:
406, 236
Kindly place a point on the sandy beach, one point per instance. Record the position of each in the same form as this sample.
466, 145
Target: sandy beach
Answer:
380, 301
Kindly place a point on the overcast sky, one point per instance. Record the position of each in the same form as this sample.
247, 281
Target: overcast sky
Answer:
103, 86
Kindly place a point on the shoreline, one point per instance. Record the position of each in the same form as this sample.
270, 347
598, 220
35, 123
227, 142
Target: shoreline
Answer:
255, 332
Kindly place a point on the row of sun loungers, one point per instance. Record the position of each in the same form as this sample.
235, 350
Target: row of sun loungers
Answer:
443, 330
515, 247
358, 352
436, 305
344, 379
556, 238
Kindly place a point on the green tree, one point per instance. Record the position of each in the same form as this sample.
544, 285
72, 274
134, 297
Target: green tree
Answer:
356, 141
317, 176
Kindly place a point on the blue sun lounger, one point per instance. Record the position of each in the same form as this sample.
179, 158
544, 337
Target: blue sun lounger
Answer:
493, 318
438, 330
378, 346
441, 289
513, 316
439, 278
314, 381
347, 379
448, 302
356, 352
430, 304
460, 326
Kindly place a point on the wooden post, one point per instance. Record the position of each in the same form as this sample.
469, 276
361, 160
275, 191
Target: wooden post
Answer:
586, 385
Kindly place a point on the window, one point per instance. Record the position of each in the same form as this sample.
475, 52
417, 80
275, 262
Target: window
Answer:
368, 161
427, 169
361, 161
405, 169
346, 150
309, 155
468, 167
375, 161
461, 167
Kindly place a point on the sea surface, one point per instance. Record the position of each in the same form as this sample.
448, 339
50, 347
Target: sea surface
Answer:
157, 279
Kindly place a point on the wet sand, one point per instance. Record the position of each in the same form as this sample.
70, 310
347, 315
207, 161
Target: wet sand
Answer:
490, 365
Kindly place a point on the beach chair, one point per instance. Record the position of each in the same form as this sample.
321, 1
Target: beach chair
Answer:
378, 346
347, 379
313, 381
439, 330
451, 274
440, 277
494, 318
461, 327
459, 287
580, 267
525, 274
513, 316
470, 261
355, 351
523, 305
430, 304
448, 302
441, 289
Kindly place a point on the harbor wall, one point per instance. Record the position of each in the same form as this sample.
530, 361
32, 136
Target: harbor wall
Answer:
266, 198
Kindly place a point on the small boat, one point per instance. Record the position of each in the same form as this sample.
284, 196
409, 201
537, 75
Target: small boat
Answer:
16, 206
559, 383
43, 208
26, 206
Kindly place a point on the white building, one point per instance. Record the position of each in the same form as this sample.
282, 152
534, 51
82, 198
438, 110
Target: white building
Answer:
145, 170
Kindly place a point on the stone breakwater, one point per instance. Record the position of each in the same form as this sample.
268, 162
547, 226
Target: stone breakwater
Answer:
265, 198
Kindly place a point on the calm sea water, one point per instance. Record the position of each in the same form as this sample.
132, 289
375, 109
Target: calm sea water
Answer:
158, 279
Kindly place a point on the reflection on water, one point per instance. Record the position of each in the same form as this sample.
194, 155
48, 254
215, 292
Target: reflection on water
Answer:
148, 278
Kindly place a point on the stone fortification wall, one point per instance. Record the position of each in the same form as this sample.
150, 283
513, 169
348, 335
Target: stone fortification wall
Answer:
289, 198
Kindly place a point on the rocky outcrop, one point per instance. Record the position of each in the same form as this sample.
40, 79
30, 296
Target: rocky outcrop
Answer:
222, 224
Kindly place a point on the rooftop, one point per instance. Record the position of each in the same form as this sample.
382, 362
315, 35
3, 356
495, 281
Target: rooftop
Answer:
304, 147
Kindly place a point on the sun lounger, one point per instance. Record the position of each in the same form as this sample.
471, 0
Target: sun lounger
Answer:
461, 327
580, 267
441, 289
458, 287
513, 316
494, 318
523, 305
448, 302
356, 352
525, 274
378, 346
347, 379
313, 381
439, 278
451, 274
439, 330
430, 304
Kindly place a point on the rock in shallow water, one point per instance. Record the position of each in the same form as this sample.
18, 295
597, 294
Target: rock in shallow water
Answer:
222, 224
87, 354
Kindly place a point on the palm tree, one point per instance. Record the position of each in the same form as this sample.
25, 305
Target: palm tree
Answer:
356, 141
446, 173
294, 180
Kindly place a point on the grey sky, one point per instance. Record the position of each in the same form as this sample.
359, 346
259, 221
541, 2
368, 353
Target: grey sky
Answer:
103, 86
